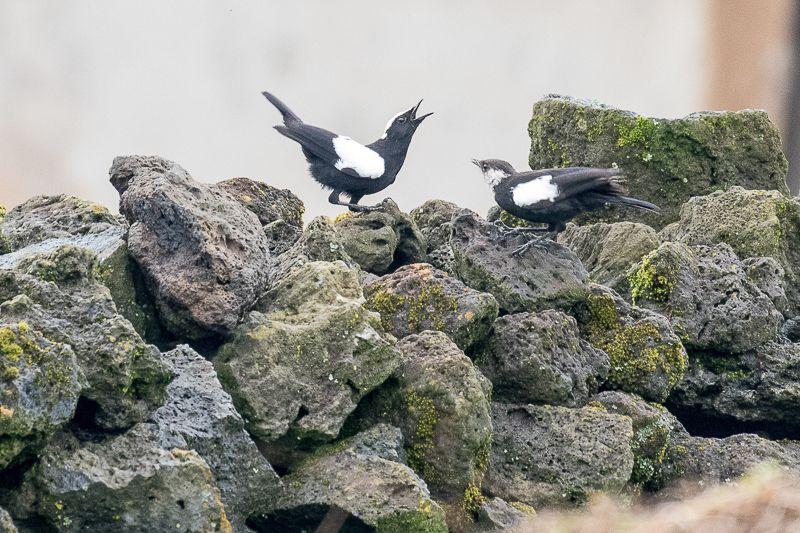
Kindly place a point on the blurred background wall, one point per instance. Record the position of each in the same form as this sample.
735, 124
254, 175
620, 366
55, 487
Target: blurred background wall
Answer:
81, 82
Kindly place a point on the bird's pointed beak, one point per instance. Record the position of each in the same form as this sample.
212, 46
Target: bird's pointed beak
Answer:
414, 116
476, 162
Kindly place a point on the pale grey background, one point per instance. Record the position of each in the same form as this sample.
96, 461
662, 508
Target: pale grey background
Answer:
81, 82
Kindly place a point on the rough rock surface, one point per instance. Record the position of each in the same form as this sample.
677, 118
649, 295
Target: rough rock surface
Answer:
433, 220
647, 357
543, 277
666, 161
708, 296
46, 223
723, 460
319, 242
762, 386
315, 346
753, 223
444, 413
363, 477
40, 382
57, 295
656, 437
125, 483
541, 358
381, 240
268, 203
48, 217
419, 297
203, 255
497, 514
608, 251
198, 415
546, 455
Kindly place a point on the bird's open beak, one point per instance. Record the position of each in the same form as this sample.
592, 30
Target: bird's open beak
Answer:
414, 116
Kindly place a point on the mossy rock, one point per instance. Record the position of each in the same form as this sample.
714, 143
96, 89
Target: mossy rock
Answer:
420, 297
647, 357
755, 223
363, 476
315, 345
709, 296
40, 382
666, 161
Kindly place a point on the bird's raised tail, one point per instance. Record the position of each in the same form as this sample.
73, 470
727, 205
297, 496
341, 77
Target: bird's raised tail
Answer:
289, 118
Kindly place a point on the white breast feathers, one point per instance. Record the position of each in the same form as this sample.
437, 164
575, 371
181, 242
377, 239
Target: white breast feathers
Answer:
365, 162
537, 190
493, 176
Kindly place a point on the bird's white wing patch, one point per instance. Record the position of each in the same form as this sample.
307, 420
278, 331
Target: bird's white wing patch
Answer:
537, 190
365, 162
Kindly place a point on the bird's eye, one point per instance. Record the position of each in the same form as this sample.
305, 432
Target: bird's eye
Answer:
401, 120
485, 167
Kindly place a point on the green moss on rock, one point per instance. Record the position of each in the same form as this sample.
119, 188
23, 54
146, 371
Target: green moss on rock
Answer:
666, 161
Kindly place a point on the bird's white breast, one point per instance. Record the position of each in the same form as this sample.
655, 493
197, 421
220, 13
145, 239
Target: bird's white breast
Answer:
537, 190
493, 176
365, 162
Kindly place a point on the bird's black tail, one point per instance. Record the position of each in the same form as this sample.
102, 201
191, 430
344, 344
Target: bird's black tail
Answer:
289, 118
634, 202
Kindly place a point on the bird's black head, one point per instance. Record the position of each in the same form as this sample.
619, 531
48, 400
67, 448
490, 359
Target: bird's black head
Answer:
494, 170
403, 125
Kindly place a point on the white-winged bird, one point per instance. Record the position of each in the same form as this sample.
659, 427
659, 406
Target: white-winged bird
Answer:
346, 166
554, 196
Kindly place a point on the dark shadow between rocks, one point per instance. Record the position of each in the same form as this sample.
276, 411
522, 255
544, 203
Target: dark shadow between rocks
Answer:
305, 518
700, 424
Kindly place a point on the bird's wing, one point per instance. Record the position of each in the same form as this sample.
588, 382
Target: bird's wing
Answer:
558, 184
343, 153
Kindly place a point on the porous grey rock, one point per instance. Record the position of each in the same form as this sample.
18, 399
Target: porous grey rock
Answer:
608, 251
497, 515
199, 415
57, 294
443, 412
40, 382
543, 277
754, 223
549, 455
770, 277
420, 297
708, 296
357, 476
381, 240
46, 223
267, 202
319, 242
541, 358
666, 161
203, 255
762, 386
646, 356
124, 483
724, 460
315, 346
281, 236
433, 220
657, 437
50, 217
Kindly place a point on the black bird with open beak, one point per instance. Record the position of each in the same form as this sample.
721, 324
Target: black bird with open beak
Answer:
343, 165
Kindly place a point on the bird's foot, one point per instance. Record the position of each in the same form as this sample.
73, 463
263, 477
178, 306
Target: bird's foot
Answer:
536, 242
515, 230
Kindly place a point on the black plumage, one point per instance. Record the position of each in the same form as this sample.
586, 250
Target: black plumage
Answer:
555, 196
346, 167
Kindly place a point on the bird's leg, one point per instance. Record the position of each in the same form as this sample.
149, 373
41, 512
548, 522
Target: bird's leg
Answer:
516, 230
536, 242
334, 199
